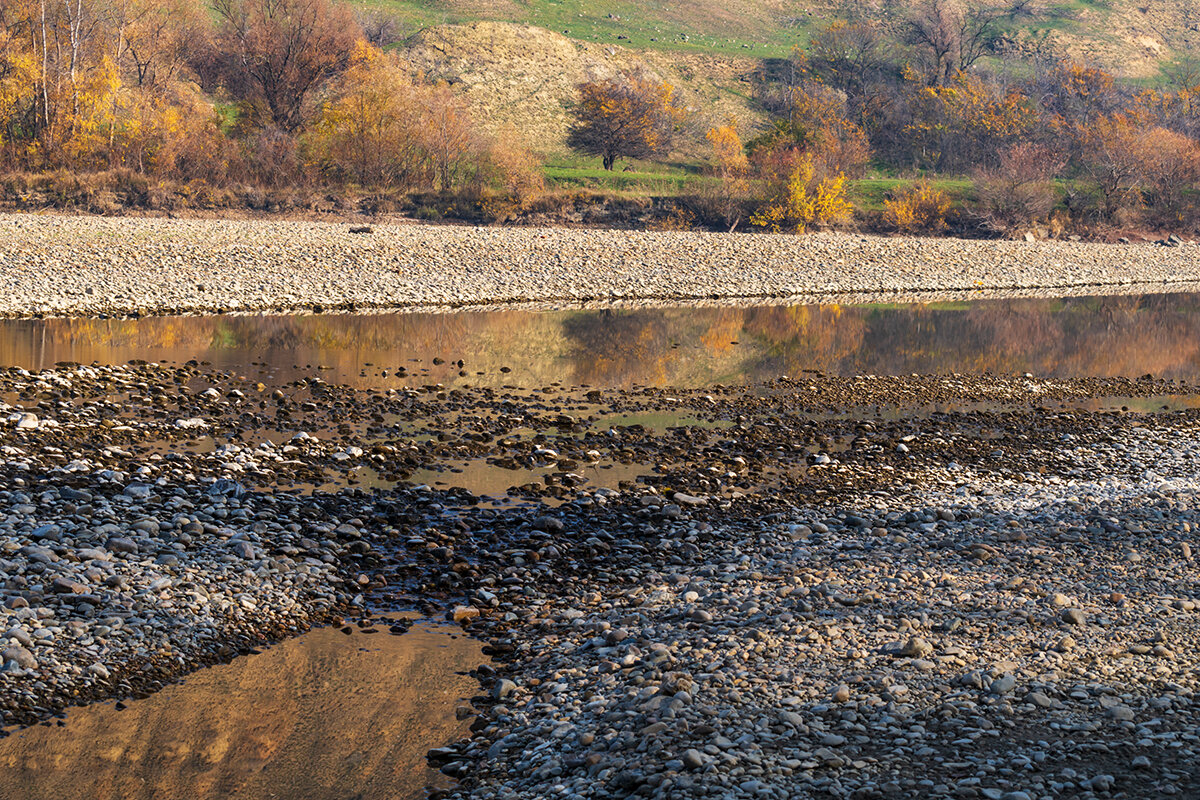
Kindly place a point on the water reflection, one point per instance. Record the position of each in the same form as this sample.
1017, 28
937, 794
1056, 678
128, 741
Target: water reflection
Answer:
320, 716
1101, 336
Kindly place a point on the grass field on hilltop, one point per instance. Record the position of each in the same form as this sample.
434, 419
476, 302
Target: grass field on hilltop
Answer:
771, 28
741, 27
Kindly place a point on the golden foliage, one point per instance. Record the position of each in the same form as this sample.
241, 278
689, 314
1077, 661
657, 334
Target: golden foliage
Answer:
369, 129
380, 128
803, 201
728, 151
729, 197
818, 127
917, 208
634, 115
18, 81
966, 122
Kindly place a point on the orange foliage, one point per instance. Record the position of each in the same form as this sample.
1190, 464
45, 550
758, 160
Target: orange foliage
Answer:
631, 116
966, 123
733, 168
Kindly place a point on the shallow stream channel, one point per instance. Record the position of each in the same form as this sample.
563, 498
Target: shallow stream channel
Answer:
423, 446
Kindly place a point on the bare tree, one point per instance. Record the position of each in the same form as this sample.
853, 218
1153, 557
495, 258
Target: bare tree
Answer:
447, 133
380, 28
275, 53
848, 55
950, 36
158, 38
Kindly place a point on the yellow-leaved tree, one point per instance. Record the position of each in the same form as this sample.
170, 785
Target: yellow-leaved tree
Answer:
803, 201
733, 169
368, 129
379, 128
18, 94
919, 207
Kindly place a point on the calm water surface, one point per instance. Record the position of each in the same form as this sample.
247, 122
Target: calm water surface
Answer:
1102, 336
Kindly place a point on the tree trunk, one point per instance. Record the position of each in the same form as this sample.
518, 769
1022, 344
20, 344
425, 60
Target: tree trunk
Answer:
45, 75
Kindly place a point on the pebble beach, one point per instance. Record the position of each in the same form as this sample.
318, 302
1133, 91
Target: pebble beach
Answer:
87, 266
928, 586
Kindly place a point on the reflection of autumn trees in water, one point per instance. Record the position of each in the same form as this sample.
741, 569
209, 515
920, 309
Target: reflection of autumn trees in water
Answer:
1085, 336
1081, 336
826, 338
344, 342
619, 348
1078, 336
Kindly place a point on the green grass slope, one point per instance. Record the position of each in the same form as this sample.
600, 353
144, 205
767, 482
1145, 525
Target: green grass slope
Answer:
761, 27
1136, 39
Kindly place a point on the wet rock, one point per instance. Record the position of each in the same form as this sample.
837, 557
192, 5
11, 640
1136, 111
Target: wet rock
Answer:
549, 524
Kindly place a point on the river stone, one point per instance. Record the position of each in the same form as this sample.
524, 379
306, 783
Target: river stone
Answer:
916, 647
1073, 616
18, 654
21, 635
139, 491
61, 585
122, 544
1004, 684
243, 549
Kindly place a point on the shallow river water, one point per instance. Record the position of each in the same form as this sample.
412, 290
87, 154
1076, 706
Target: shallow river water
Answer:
334, 716
324, 716
1100, 336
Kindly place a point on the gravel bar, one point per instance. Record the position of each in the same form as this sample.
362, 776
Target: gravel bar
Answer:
52, 265
803, 594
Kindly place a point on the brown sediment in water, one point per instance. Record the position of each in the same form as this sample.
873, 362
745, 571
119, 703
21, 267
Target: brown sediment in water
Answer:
320, 716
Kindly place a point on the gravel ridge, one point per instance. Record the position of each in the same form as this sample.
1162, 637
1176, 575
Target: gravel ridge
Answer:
53, 265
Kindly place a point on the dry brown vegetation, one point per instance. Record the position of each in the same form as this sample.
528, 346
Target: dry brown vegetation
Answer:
152, 105
294, 104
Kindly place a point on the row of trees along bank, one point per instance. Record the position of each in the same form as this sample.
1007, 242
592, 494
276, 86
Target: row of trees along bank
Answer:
158, 102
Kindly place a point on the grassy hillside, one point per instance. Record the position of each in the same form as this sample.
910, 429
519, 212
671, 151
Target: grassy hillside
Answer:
1132, 39
761, 27
521, 79
518, 61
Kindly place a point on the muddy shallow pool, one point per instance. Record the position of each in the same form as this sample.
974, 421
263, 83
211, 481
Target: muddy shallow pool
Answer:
325, 715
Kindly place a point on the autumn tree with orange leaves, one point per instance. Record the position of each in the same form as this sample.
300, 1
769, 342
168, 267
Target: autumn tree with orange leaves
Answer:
633, 115
966, 123
729, 196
